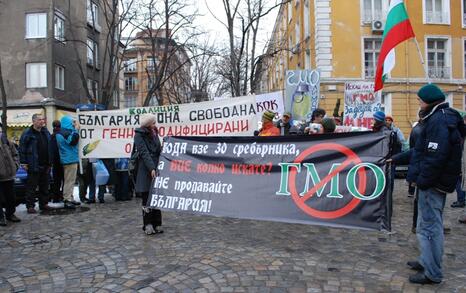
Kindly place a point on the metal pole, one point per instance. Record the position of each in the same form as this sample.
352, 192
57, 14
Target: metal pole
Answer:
422, 60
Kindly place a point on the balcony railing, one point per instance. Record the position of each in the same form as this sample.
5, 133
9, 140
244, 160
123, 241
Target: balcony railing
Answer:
369, 16
436, 17
439, 72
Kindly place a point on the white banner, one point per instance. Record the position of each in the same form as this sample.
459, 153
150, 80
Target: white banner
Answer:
110, 134
360, 104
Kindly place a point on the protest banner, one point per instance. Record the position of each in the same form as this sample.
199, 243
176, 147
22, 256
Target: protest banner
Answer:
330, 179
110, 134
302, 93
360, 104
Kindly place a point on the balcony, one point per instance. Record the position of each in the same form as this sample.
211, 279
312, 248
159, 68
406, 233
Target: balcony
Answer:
369, 16
437, 17
439, 72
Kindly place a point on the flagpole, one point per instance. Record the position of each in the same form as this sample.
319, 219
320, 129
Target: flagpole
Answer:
422, 60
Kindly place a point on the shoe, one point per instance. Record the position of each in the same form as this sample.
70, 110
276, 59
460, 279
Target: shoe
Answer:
2, 221
446, 230
458, 204
13, 219
101, 201
462, 219
45, 208
89, 201
415, 265
69, 206
157, 231
420, 278
413, 230
149, 229
57, 201
32, 211
76, 203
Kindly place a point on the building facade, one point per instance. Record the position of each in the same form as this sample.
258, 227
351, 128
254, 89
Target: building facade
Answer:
51, 51
142, 62
342, 39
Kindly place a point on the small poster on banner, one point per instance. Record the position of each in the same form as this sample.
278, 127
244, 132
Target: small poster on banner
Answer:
361, 102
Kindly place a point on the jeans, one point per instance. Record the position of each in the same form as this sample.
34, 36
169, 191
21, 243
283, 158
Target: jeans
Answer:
430, 232
460, 194
92, 186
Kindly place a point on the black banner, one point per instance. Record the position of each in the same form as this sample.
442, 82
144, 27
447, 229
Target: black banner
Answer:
334, 180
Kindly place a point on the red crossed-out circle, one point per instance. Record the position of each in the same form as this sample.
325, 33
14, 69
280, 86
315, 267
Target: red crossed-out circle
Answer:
301, 201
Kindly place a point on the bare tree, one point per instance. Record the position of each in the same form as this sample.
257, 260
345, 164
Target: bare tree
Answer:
117, 18
165, 30
243, 26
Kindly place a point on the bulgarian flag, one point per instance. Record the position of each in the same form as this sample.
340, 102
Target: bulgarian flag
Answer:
397, 29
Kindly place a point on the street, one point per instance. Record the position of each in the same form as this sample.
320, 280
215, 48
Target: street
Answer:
104, 250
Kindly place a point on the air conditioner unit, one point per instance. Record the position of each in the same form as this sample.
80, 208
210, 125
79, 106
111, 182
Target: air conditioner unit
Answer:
377, 26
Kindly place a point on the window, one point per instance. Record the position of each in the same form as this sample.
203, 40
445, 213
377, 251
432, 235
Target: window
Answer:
130, 83
36, 25
92, 53
464, 58
373, 10
130, 102
93, 87
59, 77
153, 102
36, 75
115, 99
131, 65
92, 14
371, 54
437, 58
463, 15
307, 14
386, 103
289, 10
437, 11
297, 30
152, 62
59, 28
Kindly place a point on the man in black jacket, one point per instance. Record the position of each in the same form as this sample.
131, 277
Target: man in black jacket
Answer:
36, 158
434, 168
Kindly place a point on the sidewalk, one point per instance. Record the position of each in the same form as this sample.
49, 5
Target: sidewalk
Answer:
105, 250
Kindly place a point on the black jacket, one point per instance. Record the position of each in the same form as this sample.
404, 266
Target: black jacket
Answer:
28, 150
436, 158
148, 148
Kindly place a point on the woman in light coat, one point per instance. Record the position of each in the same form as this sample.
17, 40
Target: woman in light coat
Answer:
148, 148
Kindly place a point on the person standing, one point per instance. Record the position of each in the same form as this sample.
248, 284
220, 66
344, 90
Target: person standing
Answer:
67, 140
434, 168
268, 128
57, 168
399, 134
36, 158
10, 163
284, 124
148, 147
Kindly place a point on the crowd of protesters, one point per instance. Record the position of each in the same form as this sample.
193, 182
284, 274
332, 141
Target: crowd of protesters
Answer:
436, 161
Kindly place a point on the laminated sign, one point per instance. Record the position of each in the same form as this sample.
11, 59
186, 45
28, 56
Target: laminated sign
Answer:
334, 180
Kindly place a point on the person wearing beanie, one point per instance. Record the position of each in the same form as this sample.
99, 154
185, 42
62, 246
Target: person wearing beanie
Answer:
399, 134
147, 150
328, 124
434, 168
379, 122
268, 128
284, 124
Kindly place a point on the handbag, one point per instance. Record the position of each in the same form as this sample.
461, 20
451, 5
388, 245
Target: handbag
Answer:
133, 163
101, 174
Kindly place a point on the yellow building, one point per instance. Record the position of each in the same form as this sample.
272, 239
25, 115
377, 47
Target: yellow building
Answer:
342, 39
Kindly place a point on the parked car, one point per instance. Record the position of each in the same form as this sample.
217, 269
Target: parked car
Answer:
401, 171
20, 185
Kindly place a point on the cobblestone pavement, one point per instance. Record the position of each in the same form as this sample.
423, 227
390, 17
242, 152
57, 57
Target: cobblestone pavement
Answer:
105, 250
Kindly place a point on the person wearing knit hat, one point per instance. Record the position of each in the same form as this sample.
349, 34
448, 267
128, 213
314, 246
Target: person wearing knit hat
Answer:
328, 124
379, 122
379, 116
147, 149
268, 128
434, 169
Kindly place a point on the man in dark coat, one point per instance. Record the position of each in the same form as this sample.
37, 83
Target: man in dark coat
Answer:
284, 124
57, 168
36, 158
434, 168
